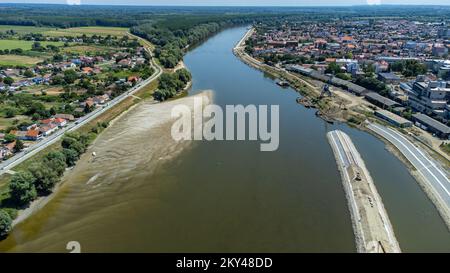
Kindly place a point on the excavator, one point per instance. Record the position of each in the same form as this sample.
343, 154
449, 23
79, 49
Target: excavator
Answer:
326, 91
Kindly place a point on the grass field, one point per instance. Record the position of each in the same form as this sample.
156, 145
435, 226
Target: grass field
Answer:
25, 29
84, 49
89, 31
25, 45
13, 60
7, 122
77, 31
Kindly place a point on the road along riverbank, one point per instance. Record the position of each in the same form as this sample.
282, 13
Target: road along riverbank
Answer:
371, 224
222, 196
108, 113
118, 150
430, 175
331, 109
24, 155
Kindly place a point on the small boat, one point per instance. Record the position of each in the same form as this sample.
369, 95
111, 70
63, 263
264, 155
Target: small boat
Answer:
282, 83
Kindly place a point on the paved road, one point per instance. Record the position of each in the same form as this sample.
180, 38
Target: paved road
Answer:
22, 156
433, 174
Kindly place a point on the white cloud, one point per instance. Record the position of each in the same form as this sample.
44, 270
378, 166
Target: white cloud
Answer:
73, 2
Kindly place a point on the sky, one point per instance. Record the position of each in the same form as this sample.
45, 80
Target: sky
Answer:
237, 2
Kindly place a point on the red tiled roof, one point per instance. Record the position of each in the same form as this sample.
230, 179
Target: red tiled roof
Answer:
32, 133
47, 121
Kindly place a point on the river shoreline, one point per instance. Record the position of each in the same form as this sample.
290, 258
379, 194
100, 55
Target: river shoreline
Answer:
371, 230
239, 51
162, 222
41, 201
438, 203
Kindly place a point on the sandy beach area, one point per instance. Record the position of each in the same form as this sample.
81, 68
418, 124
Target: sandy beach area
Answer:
159, 116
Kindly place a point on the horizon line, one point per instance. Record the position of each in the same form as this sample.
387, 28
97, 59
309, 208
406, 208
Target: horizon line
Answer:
231, 6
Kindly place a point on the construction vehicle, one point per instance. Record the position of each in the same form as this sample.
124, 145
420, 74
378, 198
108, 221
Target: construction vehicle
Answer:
325, 91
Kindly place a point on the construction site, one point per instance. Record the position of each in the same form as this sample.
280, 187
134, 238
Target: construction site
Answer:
372, 227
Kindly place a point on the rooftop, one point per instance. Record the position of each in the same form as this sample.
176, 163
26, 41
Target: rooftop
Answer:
398, 119
389, 76
426, 120
377, 97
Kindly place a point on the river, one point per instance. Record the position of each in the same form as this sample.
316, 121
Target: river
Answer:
225, 196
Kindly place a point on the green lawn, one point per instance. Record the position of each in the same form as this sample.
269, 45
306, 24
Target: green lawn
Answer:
124, 74
14, 60
25, 45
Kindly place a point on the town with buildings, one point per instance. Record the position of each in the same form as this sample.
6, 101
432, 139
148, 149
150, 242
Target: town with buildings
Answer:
402, 66
76, 76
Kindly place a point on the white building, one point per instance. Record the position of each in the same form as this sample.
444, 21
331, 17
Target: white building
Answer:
429, 96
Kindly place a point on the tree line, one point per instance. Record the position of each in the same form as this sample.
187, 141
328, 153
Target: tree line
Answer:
40, 177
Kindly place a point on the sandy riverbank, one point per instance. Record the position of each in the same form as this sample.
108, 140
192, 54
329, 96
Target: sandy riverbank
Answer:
160, 115
353, 108
371, 225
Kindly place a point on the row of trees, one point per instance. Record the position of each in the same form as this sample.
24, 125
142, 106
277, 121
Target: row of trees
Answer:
373, 84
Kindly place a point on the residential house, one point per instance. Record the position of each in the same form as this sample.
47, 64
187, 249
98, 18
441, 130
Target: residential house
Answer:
47, 121
101, 99
60, 122
87, 70
32, 134
65, 116
47, 130
124, 63
133, 79
22, 135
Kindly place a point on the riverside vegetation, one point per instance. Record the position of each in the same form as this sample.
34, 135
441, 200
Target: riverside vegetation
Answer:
40, 177
170, 36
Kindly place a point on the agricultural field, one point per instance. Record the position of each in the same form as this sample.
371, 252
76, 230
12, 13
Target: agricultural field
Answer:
25, 29
25, 45
89, 31
56, 32
18, 60
30, 57
88, 49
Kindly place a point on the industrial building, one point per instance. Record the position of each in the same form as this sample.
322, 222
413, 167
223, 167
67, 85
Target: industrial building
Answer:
390, 78
425, 122
429, 97
393, 118
380, 101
